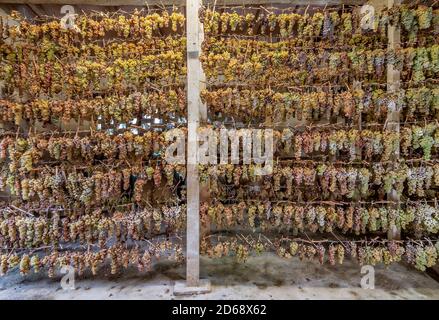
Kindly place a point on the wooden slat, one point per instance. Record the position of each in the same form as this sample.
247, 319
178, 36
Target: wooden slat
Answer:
393, 117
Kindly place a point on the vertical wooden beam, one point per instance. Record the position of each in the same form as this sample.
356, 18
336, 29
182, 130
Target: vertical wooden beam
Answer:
194, 77
193, 284
393, 116
393, 75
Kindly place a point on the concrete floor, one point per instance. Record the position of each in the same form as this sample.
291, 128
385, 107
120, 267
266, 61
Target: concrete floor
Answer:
262, 277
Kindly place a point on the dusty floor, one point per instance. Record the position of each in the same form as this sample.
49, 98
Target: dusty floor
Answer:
264, 277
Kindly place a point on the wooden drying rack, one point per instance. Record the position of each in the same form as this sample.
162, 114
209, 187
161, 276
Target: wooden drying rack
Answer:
196, 82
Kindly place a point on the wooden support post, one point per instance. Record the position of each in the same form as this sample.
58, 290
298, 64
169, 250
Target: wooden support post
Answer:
393, 116
195, 78
193, 102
